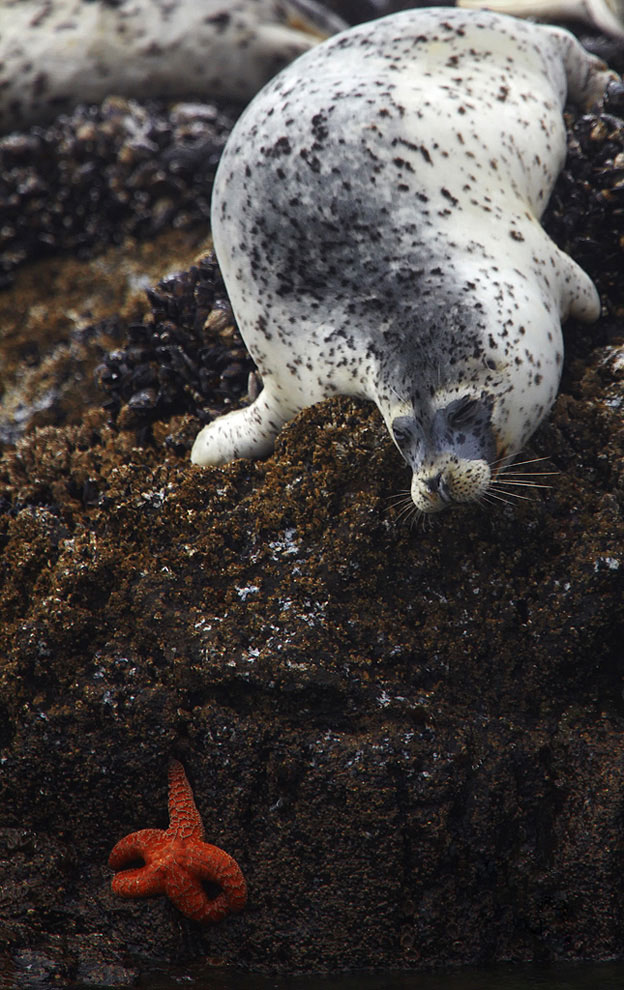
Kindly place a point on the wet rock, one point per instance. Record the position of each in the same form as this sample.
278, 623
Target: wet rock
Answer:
415, 735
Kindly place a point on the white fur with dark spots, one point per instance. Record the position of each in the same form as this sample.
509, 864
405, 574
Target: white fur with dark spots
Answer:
376, 219
56, 53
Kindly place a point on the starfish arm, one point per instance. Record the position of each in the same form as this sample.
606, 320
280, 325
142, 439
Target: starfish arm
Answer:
140, 881
184, 818
134, 846
144, 881
212, 864
185, 890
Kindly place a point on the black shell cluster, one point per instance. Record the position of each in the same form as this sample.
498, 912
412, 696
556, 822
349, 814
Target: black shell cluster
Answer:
101, 173
186, 357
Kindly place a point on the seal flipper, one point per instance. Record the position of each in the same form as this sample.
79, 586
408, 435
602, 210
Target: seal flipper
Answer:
579, 296
587, 75
248, 432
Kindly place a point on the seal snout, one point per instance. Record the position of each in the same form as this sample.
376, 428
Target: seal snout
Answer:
435, 484
450, 481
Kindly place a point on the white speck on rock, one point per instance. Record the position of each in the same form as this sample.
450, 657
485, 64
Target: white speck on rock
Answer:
244, 593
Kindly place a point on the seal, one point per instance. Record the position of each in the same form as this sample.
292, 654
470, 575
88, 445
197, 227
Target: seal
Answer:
56, 53
604, 15
376, 218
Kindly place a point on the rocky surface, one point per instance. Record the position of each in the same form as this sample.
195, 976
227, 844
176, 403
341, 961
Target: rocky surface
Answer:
410, 737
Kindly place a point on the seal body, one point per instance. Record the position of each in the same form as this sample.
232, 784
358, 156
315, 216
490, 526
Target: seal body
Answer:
55, 53
376, 218
605, 15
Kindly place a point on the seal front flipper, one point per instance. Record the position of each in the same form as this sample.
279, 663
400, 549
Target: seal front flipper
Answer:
587, 75
248, 432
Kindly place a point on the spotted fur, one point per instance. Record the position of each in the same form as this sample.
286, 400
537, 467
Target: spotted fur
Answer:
55, 53
376, 218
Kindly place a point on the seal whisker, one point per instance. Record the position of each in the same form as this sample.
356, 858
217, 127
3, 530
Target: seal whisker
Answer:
526, 474
402, 498
525, 498
515, 464
484, 501
522, 479
422, 517
411, 515
527, 482
512, 482
490, 496
505, 458
404, 511
405, 516
398, 496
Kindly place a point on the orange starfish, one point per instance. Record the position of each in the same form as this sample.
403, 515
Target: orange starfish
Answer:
176, 861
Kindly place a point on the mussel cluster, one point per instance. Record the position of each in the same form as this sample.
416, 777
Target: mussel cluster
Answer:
186, 357
101, 173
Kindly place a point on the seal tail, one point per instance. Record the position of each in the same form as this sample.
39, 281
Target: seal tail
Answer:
579, 296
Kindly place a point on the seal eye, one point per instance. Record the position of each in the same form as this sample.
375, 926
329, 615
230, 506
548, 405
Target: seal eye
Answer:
407, 435
462, 413
402, 430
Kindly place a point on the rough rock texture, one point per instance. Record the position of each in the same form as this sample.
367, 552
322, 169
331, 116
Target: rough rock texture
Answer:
49, 342
411, 738
101, 173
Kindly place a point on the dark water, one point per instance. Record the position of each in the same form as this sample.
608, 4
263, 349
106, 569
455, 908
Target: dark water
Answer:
605, 977
203, 977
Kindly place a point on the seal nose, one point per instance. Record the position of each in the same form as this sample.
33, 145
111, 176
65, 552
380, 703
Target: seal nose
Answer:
438, 485
434, 482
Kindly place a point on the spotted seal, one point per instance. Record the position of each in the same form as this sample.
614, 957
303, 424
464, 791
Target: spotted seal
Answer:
376, 219
605, 15
54, 53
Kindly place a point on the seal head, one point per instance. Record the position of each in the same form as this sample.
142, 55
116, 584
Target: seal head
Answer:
451, 459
